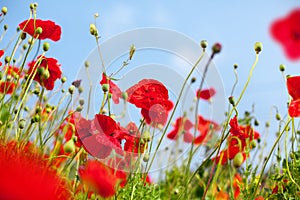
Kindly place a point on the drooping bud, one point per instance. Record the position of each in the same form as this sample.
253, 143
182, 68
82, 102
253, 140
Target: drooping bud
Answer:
146, 157
71, 89
231, 100
93, 30
238, 160
105, 87
69, 147
23, 36
39, 30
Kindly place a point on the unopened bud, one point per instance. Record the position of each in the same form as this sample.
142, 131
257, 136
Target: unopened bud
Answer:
238, 160
216, 48
22, 124
39, 30
93, 30
71, 89
63, 79
203, 44
69, 147
105, 87
282, 67
146, 157
23, 36
46, 46
258, 47
4, 10
231, 100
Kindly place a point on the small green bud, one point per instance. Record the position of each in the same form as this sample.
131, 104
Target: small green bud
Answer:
235, 66
5, 27
36, 91
36, 118
7, 59
282, 67
31, 6
39, 30
204, 44
23, 36
79, 108
35, 5
256, 122
278, 117
193, 80
96, 15
48, 110
93, 30
24, 47
81, 102
238, 160
147, 136
63, 79
131, 52
216, 48
231, 100
38, 110
86, 64
46, 46
252, 144
26, 108
146, 157
80, 89
258, 47
267, 124
46, 74
4, 10
22, 124
105, 87
69, 147
71, 89
30, 40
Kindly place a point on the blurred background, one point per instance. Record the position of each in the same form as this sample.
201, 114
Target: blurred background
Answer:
236, 25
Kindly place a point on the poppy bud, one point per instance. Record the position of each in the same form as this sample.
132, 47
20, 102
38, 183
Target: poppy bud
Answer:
39, 30
258, 47
46, 74
69, 147
278, 117
231, 100
23, 36
22, 123
80, 89
193, 80
238, 160
79, 108
63, 79
282, 67
105, 87
5, 27
31, 6
71, 89
7, 59
252, 144
81, 102
24, 47
46, 46
131, 52
38, 110
86, 64
146, 157
235, 66
256, 122
216, 48
203, 44
48, 110
4, 10
267, 124
93, 30
36, 118
26, 108
147, 136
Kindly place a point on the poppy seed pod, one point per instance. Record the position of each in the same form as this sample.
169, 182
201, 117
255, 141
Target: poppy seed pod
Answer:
258, 47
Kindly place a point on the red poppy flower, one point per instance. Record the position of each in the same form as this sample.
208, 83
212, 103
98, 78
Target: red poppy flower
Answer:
206, 94
293, 85
146, 93
205, 126
48, 64
98, 139
182, 125
152, 96
50, 30
19, 163
114, 90
158, 113
237, 141
286, 31
7, 87
100, 178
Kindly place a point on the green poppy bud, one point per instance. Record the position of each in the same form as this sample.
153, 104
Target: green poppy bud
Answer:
4, 10
46, 46
258, 47
238, 160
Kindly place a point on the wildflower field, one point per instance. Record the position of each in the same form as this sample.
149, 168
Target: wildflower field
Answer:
140, 138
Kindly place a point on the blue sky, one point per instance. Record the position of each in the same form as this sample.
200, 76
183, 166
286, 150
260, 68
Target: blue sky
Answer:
236, 25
